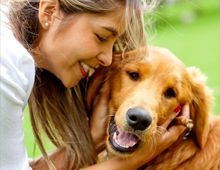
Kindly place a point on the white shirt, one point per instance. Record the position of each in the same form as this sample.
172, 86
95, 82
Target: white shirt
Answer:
17, 72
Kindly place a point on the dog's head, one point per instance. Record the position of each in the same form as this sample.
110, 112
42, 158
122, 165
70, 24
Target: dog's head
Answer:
146, 86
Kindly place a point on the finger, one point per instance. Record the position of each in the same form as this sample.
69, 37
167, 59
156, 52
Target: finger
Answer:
99, 107
173, 134
169, 120
100, 146
99, 111
95, 83
169, 137
99, 115
100, 98
101, 101
186, 111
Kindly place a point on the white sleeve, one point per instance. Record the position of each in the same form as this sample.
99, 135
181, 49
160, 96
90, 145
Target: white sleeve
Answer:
17, 73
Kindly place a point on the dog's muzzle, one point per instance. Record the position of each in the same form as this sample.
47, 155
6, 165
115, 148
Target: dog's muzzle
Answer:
137, 120
122, 141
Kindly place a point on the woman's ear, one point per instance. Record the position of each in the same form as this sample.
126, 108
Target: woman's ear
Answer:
48, 9
200, 105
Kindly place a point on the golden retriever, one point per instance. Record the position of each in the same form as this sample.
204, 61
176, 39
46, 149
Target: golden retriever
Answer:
145, 87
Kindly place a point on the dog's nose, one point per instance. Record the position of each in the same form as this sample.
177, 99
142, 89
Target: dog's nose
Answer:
138, 118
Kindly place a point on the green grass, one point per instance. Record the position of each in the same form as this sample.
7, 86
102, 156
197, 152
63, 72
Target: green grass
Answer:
196, 44
32, 149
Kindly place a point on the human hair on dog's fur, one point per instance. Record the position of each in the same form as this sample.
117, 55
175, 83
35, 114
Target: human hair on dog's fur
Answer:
145, 87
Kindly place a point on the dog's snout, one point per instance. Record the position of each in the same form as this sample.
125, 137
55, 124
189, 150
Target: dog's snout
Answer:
138, 118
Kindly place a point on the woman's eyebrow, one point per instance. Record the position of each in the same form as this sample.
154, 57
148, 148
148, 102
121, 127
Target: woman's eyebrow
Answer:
111, 29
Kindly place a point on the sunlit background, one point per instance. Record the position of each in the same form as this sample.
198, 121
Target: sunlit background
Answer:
189, 28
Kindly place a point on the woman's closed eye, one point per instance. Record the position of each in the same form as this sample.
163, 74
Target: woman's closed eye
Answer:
101, 38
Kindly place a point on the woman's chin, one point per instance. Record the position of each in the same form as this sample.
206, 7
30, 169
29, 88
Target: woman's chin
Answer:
70, 83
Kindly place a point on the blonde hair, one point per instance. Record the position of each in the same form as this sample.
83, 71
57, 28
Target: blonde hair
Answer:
58, 111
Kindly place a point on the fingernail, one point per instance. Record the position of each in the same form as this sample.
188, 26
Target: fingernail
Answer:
177, 109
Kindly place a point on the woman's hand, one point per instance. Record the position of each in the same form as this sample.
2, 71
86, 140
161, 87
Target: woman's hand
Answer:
98, 119
140, 158
145, 155
97, 99
164, 141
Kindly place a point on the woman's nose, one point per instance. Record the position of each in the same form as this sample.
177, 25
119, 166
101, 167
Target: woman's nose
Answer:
105, 58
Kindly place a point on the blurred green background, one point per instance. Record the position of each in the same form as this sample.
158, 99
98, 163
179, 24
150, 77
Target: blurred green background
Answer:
189, 28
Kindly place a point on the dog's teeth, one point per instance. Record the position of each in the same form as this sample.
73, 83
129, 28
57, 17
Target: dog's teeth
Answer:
114, 136
124, 140
116, 139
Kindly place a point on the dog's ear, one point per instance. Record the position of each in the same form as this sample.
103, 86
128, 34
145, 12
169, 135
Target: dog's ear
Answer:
200, 105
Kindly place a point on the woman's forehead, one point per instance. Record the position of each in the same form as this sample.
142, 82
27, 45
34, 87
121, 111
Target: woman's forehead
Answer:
113, 21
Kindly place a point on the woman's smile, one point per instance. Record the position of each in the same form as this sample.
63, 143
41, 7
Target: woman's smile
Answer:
83, 42
86, 70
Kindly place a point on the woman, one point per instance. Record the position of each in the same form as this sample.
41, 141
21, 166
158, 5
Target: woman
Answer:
65, 40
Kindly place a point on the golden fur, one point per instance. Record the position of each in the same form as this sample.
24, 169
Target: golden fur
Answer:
158, 71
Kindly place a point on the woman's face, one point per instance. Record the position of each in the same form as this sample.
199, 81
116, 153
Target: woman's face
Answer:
73, 46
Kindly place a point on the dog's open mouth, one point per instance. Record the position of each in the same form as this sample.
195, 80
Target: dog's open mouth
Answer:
122, 141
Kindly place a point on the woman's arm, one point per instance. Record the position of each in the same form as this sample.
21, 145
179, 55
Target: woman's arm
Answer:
16, 79
138, 159
97, 123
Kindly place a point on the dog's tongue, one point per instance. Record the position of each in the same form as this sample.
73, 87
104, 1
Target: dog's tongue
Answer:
125, 139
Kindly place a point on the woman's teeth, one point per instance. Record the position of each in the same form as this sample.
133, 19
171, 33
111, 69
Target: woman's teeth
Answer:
87, 69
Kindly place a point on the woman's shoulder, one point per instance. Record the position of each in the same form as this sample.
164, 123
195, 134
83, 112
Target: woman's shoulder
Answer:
11, 48
12, 51
16, 63
13, 55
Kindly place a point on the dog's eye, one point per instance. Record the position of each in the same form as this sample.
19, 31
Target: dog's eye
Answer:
169, 93
133, 75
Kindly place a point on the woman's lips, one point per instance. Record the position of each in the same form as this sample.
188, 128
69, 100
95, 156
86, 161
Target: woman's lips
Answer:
86, 70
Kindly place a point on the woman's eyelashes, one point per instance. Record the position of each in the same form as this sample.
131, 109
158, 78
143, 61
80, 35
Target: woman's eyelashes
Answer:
101, 38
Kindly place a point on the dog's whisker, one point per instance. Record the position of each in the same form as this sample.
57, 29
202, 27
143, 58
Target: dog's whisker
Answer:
156, 93
151, 143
